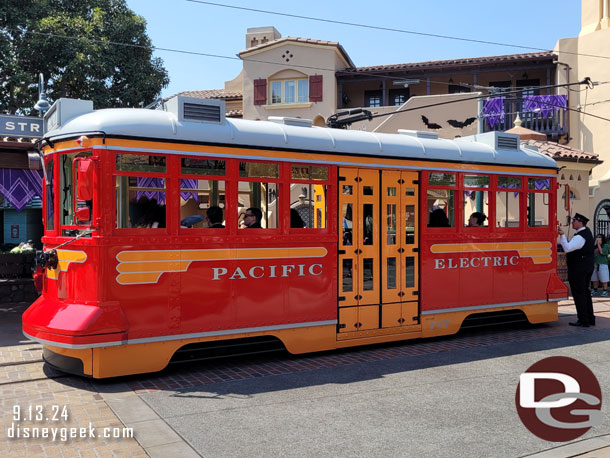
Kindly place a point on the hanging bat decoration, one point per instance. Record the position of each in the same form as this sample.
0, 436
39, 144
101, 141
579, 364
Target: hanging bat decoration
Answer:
460, 124
430, 125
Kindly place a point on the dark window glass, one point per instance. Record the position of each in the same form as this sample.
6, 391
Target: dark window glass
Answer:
410, 272
348, 280
259, 170
367, 272
391, 284
196, 166
372, 98
140, 163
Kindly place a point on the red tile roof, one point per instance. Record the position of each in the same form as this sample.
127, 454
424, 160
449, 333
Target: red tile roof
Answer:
300, 40
465, 62
563, 152
213, 94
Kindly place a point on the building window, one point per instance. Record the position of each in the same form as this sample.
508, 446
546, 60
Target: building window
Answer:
372, 98
458, 89
290, 91
398, 96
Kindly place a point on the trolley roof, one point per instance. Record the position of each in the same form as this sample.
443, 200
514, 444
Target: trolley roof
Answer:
282, 133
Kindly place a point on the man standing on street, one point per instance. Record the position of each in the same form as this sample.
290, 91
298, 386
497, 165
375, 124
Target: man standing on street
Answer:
580, 268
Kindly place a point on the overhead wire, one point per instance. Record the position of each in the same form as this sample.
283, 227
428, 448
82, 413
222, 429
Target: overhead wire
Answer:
152, 47
387, 29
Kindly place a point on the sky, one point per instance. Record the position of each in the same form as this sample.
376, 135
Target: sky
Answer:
202, 28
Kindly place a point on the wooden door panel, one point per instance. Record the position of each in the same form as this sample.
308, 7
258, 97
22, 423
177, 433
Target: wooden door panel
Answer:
348, 319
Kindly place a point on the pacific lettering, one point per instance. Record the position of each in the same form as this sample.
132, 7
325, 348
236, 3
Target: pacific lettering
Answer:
257, 272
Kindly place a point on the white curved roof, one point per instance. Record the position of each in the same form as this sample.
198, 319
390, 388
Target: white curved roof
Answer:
164, 125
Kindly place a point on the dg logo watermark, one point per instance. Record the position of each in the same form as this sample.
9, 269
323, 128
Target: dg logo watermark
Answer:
559, 399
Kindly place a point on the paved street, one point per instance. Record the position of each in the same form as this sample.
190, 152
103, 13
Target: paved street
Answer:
444, 397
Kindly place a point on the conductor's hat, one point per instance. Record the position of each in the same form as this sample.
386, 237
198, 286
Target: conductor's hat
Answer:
581, 218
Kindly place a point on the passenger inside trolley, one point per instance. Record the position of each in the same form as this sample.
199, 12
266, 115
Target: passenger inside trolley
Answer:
252, 218
214, 217
477, 219
438, 218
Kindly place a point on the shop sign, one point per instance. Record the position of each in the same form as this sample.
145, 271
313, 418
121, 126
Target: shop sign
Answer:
21, 126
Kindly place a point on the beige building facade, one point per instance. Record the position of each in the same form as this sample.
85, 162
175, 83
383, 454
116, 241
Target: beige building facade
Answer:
293, 77
314, 79
578, 58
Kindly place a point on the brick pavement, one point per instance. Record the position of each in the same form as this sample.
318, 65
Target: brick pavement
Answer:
251, 367
24, 381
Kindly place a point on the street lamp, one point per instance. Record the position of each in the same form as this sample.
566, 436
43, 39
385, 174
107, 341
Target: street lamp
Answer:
43, 104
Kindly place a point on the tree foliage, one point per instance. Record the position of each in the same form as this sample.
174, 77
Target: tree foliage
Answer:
72, 44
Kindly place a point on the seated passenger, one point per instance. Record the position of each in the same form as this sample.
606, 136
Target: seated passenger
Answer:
438, 218
214, 217
477, 219
252, 218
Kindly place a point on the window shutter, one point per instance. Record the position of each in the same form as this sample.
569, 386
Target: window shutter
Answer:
260, 91
315, 88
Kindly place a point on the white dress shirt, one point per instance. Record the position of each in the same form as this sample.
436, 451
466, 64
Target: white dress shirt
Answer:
576, 243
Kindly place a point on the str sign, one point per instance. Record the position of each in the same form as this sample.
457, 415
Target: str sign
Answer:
21, 126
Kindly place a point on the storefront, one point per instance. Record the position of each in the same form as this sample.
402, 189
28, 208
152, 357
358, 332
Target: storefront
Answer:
20, 181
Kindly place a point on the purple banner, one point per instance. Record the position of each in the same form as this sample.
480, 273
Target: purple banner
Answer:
19, 186
546, 105
150, 182
188, 183
493, 110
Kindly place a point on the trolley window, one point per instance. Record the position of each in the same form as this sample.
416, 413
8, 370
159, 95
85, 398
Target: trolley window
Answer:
202, 198
538, 198
258, 195
140, 191
67, 189
50, 196
476, 200
508, 198
140, 202
308, 197
441, 199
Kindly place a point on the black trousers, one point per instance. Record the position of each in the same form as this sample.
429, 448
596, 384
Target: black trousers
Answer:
579, 277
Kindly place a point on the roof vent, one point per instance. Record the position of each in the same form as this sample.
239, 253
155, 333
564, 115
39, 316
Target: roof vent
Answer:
506, 142
192, 109
419, 134
297, 122
63, 110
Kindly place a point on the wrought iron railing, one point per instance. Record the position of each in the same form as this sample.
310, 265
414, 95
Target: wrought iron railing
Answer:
544, 114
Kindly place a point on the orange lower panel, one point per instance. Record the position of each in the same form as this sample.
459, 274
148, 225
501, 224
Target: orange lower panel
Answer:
151, 357
115, 361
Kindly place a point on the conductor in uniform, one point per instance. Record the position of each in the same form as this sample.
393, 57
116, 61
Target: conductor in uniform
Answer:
581, 262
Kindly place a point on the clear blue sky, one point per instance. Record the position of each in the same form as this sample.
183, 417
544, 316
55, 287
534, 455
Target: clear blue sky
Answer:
179, 24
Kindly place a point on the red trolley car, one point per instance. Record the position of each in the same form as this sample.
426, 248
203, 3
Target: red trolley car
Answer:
364, 237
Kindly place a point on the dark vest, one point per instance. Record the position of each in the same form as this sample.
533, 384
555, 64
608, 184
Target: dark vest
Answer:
584, 256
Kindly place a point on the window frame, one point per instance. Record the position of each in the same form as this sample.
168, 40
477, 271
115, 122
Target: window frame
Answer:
206, 231
456, 201
283, 84
168, 184
308, 181
490, 222
551, 211
280, 198
520, 191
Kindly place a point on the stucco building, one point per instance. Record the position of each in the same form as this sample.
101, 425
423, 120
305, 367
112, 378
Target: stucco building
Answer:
314, 79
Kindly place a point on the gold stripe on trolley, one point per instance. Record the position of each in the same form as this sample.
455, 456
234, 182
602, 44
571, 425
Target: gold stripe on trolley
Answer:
64, 259
539, 252
145, 267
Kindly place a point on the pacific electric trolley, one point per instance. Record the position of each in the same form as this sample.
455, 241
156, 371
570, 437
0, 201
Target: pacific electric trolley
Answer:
364, 237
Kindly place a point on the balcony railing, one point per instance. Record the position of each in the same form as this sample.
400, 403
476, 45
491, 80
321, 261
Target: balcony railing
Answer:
546, 114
